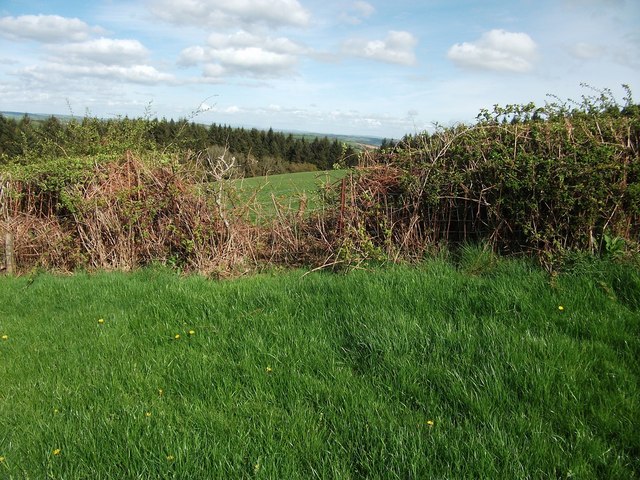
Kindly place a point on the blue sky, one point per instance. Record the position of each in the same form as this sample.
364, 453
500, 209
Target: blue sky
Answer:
382, 68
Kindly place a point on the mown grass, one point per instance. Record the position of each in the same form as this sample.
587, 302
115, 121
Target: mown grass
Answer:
437, 371
287, 189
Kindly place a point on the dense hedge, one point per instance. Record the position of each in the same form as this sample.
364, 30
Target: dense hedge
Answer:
544, 180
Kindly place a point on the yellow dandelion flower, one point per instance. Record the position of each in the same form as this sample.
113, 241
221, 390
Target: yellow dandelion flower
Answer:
177, 337
269, 370
57, 451
1, 459
430, 423
560, 307
192, 332
256, 467
5, 337
147, 414
101, 321
160, 392
170, 458
55, 411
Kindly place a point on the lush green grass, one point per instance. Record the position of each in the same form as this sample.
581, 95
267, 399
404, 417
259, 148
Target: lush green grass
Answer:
425, 372
288, 189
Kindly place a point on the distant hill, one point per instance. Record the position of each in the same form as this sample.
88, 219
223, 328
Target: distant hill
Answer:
359, 140
34, 116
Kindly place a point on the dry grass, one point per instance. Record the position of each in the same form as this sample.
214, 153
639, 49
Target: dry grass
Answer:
129, 214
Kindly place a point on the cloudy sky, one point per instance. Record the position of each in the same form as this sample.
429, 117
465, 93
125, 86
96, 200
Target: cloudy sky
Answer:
382, 68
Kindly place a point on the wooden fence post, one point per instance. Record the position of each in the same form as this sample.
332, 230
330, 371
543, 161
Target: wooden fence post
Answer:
343, 189
9, 265
8, 252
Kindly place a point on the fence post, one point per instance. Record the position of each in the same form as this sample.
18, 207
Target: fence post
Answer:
8, 252
343, 189
9, 265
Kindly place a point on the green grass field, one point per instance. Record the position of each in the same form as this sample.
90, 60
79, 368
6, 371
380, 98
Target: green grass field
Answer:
287, 189
396, 372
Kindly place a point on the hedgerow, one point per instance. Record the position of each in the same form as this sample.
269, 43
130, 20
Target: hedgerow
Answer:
524, 179
546, 181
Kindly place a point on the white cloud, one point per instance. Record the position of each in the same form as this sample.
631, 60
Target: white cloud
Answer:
398, 47
46, 28
365, 9
214, 71
191, 56
114, 60
231, 109
496, 50
253, 59
358, 11
624, 56
226, 14
586, 51
54, 72
103, 50
243, 53
245, 39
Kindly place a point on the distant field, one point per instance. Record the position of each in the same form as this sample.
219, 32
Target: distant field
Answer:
397, 372
356, 140
287, 189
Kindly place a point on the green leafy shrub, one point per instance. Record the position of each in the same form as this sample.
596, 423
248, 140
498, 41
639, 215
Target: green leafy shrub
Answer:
542, 180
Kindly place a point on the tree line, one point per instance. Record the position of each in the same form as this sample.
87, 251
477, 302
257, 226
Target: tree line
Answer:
260, 152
